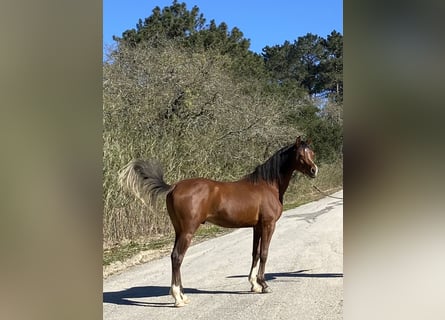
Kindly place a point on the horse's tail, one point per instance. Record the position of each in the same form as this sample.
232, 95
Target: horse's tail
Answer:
145, 179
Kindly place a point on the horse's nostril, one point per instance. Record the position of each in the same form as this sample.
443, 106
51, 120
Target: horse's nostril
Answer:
314, 171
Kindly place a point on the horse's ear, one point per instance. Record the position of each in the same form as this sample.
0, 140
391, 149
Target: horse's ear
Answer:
298, 141
309, 141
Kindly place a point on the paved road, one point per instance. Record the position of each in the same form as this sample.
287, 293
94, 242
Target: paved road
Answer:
304, 270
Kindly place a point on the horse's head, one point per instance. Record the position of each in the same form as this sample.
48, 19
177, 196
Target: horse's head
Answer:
305, 157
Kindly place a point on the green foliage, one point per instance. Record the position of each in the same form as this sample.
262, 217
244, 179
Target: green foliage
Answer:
171, 22
188, 27
327, 139
188, 30
314, 63
322, 128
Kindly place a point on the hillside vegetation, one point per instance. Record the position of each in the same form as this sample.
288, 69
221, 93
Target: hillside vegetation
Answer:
194, 97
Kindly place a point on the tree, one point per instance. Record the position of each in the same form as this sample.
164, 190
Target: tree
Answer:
171, 22
279, 60
308, 55
299, 62
314, 63
188, 29
332, 66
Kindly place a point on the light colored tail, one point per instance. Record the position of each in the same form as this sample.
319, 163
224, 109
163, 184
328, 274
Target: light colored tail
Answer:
145, 179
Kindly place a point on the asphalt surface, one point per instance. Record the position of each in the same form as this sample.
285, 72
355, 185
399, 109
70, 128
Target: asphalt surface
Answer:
304, 270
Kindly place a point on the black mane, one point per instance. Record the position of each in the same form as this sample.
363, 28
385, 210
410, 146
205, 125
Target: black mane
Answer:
274, 167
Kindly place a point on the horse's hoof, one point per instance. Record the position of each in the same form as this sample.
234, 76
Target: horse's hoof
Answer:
179, 304
185, 299
256, 289
267, 290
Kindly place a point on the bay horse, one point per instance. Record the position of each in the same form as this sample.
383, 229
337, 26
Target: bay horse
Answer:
254, 201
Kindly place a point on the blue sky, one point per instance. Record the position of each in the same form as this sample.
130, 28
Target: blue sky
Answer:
265, 23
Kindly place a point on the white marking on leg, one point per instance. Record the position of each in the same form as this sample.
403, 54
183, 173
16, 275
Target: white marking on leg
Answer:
176, 293
254, 272
253, 279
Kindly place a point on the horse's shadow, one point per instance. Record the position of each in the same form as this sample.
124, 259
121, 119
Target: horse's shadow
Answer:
295, 274
125, 297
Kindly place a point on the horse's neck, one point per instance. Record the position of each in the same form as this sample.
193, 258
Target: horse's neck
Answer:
284, 183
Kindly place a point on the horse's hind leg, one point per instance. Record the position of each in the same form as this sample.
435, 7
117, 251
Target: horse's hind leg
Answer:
182, 242
255, 257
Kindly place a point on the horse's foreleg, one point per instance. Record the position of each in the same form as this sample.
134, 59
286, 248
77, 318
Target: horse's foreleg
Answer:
255, 257
182, 242
266, 236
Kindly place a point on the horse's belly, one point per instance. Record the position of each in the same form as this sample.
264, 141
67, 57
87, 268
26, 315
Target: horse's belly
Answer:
233, 218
